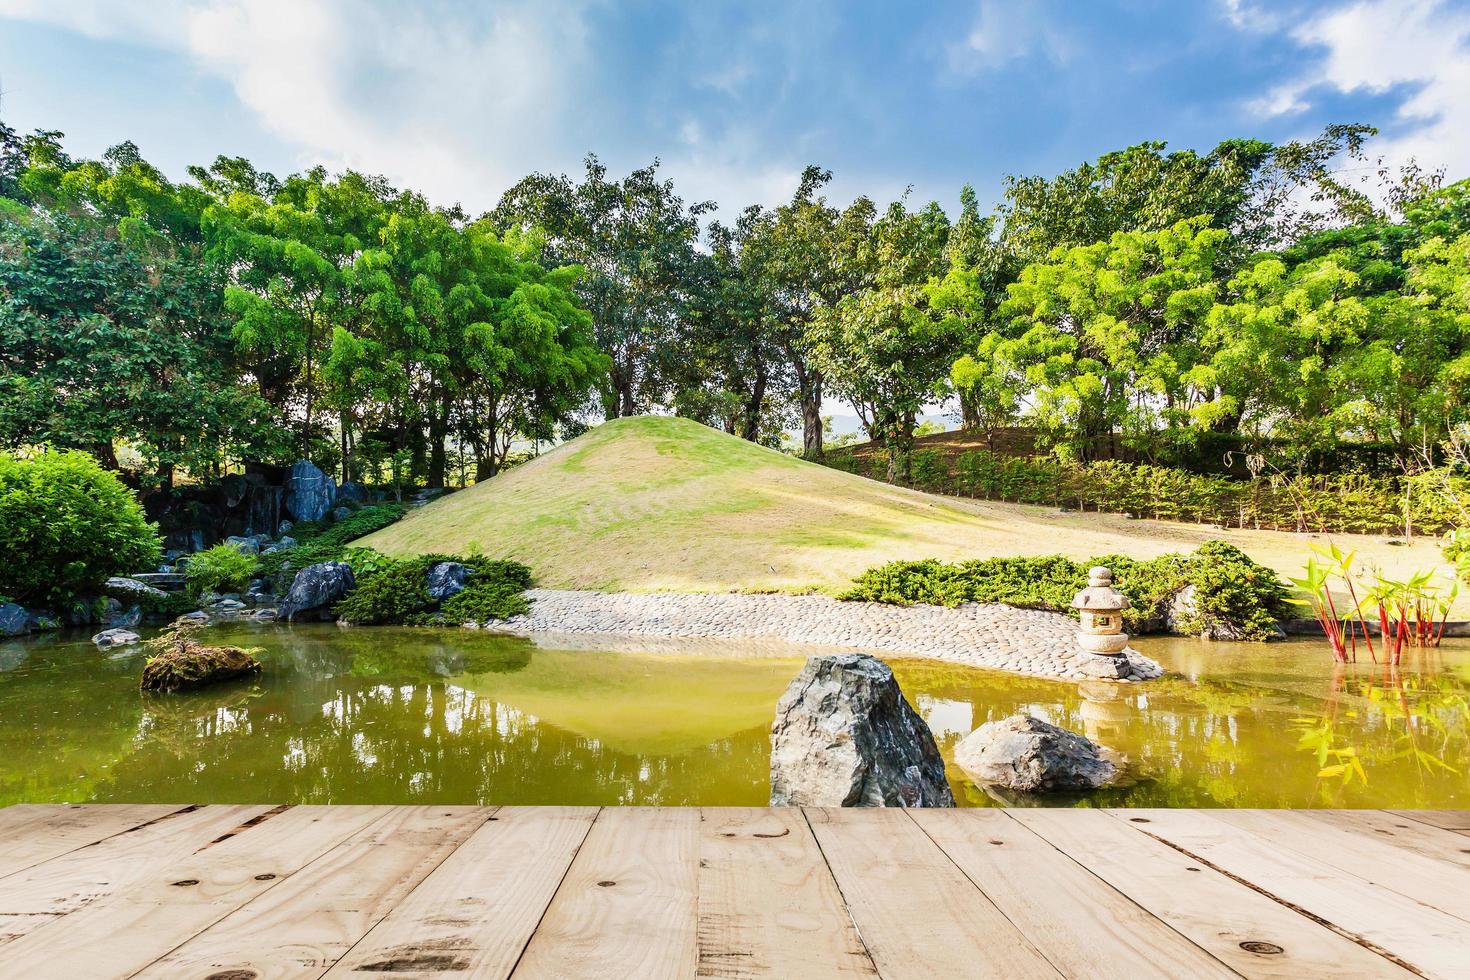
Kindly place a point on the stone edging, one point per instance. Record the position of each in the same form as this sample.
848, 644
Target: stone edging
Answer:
1027, 641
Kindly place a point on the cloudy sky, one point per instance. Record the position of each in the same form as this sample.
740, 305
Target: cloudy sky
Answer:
459, 99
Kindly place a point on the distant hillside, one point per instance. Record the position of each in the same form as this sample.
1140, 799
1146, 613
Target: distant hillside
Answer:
659, 503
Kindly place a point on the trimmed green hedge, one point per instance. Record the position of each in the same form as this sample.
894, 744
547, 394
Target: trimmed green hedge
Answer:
1351, 502
1229, 587
395, 591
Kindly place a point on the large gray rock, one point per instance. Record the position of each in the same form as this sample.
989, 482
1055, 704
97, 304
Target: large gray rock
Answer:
352, 492
115, 638
316, 589
14, 620
131, 590
244, 545
845, 736
310, 493
122, 616
1028, 755
447, 579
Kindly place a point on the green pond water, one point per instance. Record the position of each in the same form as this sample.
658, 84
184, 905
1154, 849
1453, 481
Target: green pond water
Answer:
424, 716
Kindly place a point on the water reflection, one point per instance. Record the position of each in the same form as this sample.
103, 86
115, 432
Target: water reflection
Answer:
401, 716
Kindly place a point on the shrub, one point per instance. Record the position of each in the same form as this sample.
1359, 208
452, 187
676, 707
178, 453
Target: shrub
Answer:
1228, 586
395, 591
223, 568
317, 542
495, 591
1353, 502
66, 526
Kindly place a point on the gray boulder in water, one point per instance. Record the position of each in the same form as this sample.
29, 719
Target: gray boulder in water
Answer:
446, 579
317, 588
310, 493
1028, 755
115, 638
845, 736
14, 620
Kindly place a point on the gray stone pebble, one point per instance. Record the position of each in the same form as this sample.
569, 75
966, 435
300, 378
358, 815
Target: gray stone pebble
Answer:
1026, 641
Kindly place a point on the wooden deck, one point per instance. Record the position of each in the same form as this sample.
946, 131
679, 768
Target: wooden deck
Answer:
239, 892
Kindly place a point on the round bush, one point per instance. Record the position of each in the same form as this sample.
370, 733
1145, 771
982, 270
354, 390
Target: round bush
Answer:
66, 525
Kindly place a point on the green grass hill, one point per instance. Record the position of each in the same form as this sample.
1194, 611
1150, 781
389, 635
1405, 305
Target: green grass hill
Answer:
659, 503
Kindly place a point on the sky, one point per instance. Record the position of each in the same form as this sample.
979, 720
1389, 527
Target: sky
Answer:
461, 99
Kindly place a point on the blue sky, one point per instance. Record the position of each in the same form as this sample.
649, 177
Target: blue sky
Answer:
460, 99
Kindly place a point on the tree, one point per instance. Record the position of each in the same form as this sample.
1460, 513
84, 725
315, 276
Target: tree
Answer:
882, 348
634, 239
290, 260
1262, 194
1104, 337
793, 257
103, 340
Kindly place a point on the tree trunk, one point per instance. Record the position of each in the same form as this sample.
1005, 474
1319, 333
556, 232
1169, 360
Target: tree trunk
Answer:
898, 439
104, 454
809, 392
438, 427
751, 427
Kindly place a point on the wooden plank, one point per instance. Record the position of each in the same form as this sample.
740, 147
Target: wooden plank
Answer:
628, 906
768, 906
172, 901
1437, 884
41, 895
32, 834
303, 925
1082, 925
1423, 839
1236, 924
1430, 941
475, 913
918, 914
1455, 820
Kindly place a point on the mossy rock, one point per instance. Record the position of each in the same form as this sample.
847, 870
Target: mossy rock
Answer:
196, 666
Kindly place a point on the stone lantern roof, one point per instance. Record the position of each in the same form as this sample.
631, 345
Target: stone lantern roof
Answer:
1100, 596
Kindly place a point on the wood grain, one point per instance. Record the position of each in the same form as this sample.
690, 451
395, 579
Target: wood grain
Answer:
917, 912
168, 901
768, 906
475, 913
1086, 927
305, 924
1431, 941
628, 906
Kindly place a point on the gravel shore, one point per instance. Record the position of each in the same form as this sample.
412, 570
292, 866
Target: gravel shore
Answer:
1026, 641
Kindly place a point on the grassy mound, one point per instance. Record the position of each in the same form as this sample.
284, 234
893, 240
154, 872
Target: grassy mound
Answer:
657, 503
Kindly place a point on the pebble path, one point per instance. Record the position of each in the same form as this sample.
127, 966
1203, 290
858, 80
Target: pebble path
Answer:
1027, 641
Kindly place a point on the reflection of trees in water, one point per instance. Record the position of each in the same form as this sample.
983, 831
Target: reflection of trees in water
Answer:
1219, 742
424, 742
62, 722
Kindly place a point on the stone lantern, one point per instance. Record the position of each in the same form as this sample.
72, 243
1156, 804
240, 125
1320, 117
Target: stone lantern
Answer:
1101, 608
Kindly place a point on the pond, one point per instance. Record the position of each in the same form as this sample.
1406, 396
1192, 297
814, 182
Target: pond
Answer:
423, 716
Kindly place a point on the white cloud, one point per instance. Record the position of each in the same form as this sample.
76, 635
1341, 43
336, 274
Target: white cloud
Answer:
1377, 46
457, 105
1005, 30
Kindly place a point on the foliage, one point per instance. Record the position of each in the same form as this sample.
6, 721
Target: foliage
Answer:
635, 239
105, 340
1348, 502
1408, 613
329, 542
1229, 587
66, 526
396, 591
223, 568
